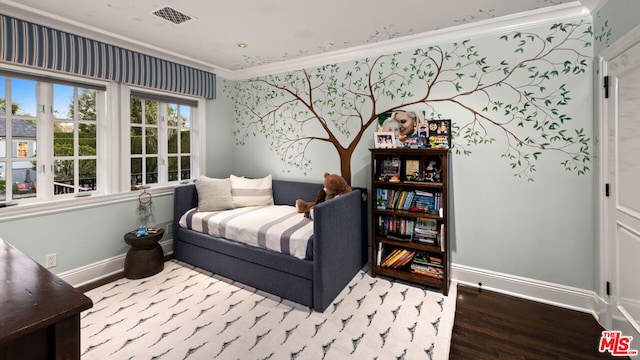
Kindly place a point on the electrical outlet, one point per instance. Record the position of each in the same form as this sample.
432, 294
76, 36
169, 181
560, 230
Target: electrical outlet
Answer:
169, 228
51, 260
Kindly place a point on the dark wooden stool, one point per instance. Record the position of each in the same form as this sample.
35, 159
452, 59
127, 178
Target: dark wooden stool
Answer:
145, 257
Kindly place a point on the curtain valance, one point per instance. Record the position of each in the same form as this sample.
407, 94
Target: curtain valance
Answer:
26, 43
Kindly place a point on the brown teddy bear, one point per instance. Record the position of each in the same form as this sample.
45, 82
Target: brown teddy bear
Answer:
334, 186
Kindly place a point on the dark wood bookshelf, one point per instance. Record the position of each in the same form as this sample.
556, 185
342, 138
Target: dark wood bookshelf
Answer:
394, 216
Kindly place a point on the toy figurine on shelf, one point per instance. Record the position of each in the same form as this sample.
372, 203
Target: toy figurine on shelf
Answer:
432, 142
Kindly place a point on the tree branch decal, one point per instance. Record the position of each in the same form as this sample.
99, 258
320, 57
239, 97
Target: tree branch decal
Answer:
518, 102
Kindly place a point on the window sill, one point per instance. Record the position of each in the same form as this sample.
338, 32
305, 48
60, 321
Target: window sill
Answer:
25, 210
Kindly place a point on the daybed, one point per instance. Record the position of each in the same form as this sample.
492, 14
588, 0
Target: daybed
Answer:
339, 247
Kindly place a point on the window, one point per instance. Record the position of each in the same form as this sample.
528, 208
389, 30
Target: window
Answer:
23, 149
18, 138
160, 138
66, 136
62, 138
74, 134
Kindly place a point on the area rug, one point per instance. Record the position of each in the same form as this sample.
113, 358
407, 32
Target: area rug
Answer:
186, 313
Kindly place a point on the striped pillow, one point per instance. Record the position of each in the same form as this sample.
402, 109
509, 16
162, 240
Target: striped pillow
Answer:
251, 192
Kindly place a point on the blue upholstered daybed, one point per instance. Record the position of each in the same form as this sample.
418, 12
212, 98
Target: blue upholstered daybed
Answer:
338, 247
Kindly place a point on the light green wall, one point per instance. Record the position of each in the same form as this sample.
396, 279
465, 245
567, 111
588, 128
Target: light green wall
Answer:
219, 135
614, 19
533, 229
81, 237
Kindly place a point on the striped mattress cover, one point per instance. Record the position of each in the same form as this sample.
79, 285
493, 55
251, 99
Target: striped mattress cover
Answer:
276, 227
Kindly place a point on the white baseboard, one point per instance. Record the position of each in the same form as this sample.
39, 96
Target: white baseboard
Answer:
549, 293
104, 268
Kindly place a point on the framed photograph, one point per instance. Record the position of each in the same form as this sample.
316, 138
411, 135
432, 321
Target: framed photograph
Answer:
439, 133
403, 123
391, 169
415, 142
411, 167
384, 140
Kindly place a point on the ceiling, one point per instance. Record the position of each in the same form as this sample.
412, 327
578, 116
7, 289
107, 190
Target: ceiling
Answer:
273, 30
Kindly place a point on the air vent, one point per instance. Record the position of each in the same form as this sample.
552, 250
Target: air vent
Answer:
173, 15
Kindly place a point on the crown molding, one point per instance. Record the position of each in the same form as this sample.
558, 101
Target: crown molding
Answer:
491, 26
486, 27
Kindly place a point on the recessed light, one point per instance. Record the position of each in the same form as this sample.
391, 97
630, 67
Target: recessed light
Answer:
242, 45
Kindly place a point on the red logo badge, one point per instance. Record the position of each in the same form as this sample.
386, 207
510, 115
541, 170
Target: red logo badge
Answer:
617, 344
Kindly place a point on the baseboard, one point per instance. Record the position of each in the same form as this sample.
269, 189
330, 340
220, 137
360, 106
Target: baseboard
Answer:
549, 293
104, 268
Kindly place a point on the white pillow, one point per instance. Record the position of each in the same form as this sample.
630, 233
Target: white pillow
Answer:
214, 194
251, 192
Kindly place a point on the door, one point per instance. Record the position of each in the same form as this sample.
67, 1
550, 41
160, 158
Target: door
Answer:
622, 210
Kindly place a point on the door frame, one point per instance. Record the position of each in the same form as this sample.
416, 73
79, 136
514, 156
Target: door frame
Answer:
605, 274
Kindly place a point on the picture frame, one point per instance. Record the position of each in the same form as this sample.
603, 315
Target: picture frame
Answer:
384, 140
415, 142
439, 133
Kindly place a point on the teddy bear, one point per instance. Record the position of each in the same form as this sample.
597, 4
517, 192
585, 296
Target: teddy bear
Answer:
334, 186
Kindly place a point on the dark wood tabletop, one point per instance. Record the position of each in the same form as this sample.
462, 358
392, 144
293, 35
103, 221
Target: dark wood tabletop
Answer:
32, 298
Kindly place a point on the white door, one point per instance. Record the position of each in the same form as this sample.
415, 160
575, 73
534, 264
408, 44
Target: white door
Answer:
622, 211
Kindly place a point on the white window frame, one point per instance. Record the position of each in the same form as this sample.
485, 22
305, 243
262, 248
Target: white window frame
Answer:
113, 148
196, 141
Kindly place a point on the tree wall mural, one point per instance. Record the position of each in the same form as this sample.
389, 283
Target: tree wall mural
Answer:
516, 101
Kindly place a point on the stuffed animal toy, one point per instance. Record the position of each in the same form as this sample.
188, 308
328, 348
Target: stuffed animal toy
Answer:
334, 186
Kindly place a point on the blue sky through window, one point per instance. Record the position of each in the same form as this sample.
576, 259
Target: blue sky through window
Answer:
23, 93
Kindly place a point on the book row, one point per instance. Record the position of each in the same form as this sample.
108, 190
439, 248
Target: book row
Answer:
409, 200
419, 263
420, 230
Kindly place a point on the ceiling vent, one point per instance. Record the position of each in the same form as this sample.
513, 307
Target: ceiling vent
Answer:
173, 15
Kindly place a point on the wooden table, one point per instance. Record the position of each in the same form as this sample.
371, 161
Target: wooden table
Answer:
39, 312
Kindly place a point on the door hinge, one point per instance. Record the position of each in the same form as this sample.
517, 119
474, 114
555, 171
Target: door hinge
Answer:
606, 190
608, 288
606, 87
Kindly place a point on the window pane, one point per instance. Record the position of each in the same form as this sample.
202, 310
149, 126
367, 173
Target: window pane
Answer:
23, 95
172, 135
185, 141
172, 115
3, 182
3, 103
24, 138
136, 111
63, 138
24, 179
87, 174
136, 171
152, 170
185, 166
173, 168
136, 140
151, 140
185, 116
150, 112
87, 104
63, 107
3, 140
87, 139
63, 177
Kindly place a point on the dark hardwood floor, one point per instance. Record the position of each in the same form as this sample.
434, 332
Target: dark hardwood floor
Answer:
490, 325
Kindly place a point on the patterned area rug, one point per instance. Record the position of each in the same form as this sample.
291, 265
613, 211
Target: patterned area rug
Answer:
186, 313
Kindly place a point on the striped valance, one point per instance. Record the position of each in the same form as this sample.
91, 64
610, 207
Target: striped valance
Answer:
26, 43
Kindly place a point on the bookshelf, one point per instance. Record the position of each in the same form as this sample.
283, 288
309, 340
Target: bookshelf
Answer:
410, 215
